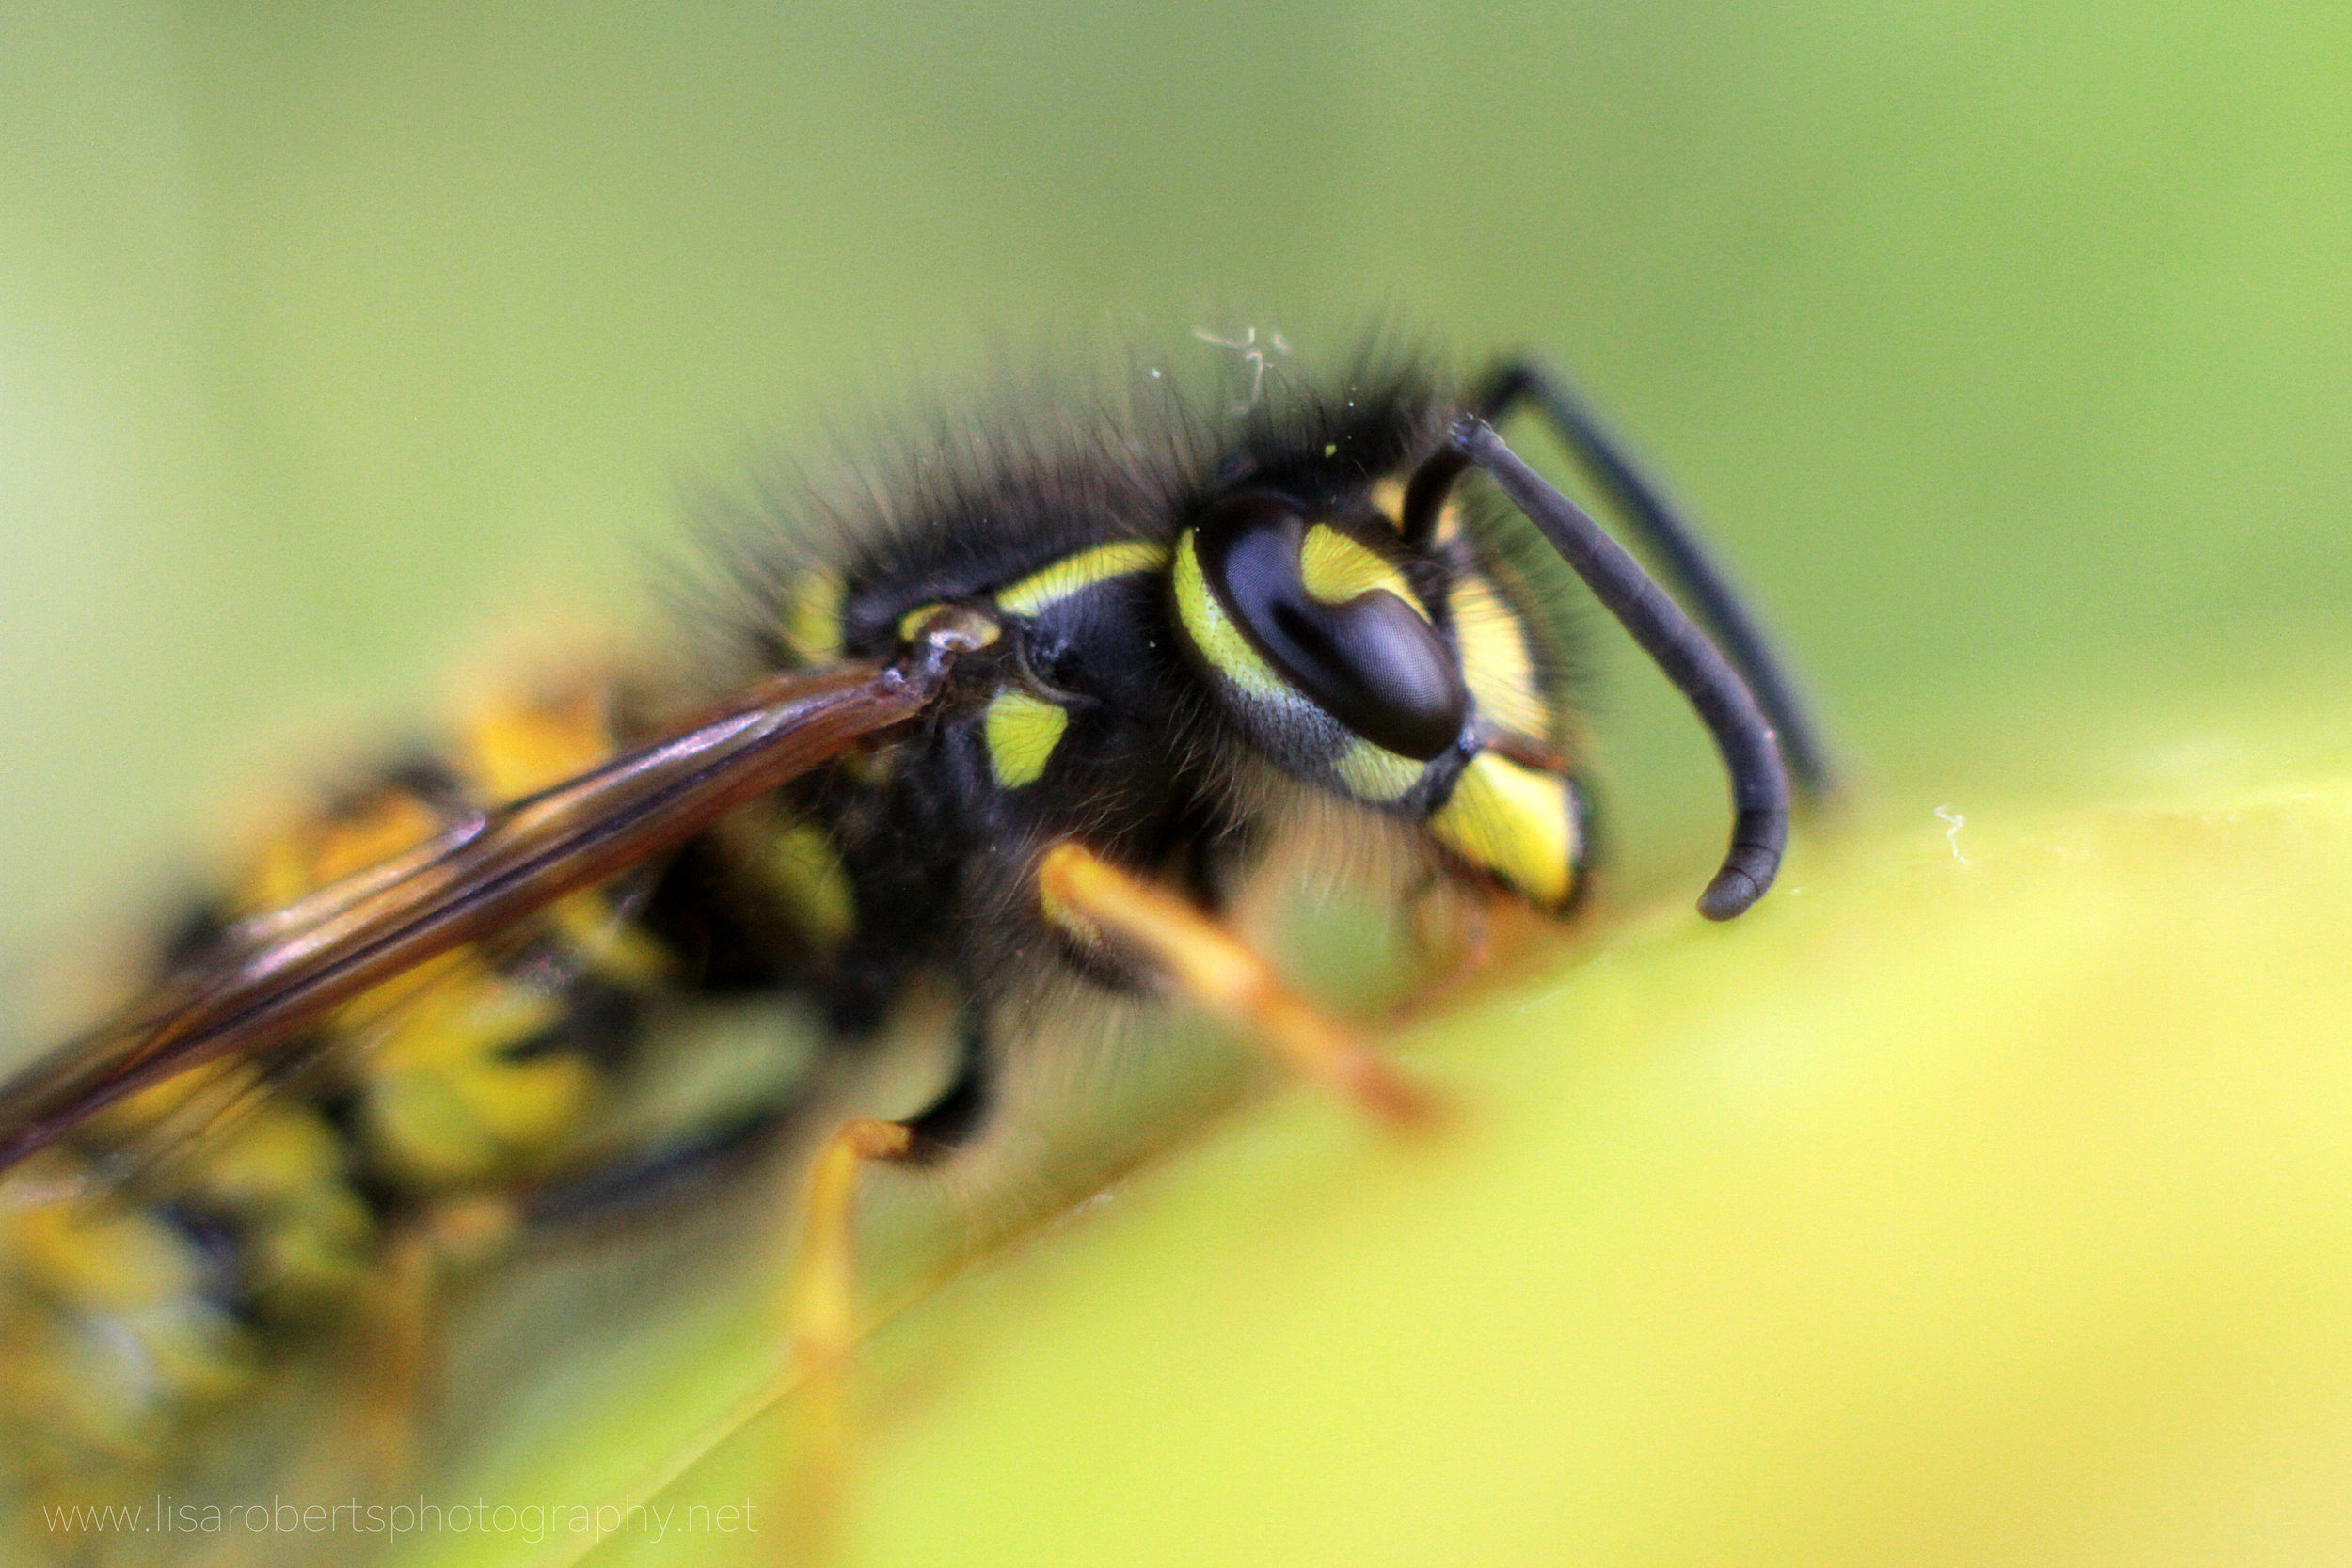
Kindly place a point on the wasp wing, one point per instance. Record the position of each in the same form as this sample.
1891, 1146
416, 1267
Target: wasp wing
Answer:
280, 971
212, 1107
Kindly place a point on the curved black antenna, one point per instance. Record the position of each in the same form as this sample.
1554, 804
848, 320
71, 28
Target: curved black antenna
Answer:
1694, 573
1751, 754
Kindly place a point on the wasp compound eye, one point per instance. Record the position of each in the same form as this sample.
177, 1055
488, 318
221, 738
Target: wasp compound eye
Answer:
1338, 622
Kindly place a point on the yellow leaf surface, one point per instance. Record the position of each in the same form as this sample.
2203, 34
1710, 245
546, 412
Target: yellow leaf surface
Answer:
1985, 1197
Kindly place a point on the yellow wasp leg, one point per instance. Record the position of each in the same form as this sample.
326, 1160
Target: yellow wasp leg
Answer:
823, 1311
401, 1323
398, 1331
822, 1324
1203, 962
390, 1349
1199, 960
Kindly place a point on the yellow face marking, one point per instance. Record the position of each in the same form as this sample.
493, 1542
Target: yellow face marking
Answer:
812, 615
1337, 568
1219, 641
1514, 822
1021, 732
1497, 664
1388, 498
1376, 773
1073, 573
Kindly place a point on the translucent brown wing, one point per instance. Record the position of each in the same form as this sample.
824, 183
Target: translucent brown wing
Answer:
280, 971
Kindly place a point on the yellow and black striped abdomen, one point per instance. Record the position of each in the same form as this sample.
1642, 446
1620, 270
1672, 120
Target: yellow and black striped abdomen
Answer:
159, 1261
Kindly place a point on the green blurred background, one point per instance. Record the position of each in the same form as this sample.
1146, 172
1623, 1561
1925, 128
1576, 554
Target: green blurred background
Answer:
2004, 345
2007, 348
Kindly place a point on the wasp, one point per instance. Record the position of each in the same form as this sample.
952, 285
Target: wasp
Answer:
1015, 720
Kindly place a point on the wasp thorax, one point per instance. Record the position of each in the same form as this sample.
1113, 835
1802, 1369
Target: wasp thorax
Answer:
1293, 615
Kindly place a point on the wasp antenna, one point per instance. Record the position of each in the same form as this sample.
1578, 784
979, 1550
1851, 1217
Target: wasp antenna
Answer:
1680, 553
1751, 751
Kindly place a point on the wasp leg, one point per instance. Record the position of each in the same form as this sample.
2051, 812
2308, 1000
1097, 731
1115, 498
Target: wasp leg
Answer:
397, 1333
823, 1308
396, 1342
1202, 962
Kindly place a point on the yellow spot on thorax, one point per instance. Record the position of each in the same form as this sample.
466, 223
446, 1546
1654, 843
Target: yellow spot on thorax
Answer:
912, 622
1074, 574
1021, 732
